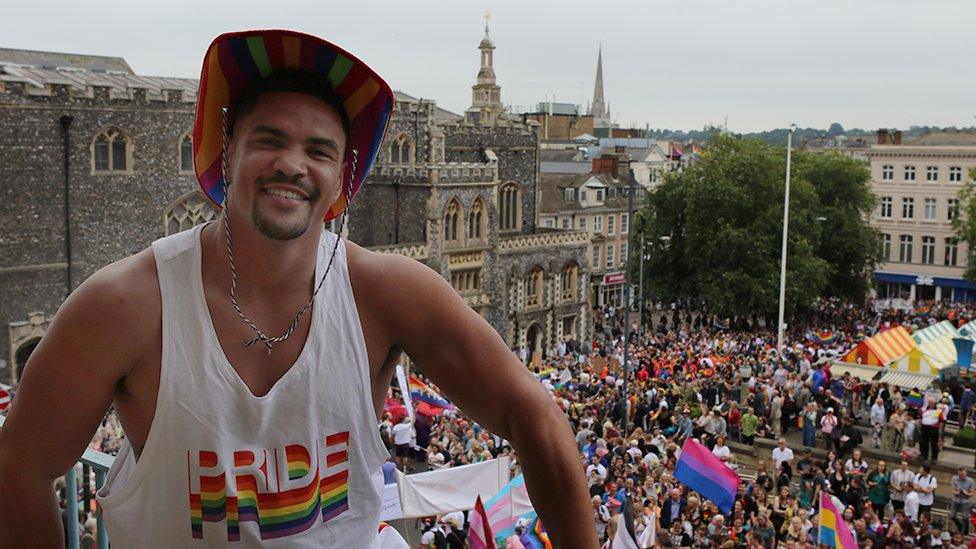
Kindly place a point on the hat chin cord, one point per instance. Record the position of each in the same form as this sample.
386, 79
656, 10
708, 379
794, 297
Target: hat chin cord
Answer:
269, 341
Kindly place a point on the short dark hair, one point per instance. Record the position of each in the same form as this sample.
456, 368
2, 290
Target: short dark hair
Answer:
302, 82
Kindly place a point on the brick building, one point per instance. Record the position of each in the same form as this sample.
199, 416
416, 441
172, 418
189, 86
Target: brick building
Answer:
457, 194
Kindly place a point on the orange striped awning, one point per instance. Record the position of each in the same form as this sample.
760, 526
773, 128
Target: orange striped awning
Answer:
883, 348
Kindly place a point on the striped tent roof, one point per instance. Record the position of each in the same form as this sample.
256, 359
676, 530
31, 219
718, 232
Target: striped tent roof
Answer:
935, 331
883, 348
929, 357
968, 329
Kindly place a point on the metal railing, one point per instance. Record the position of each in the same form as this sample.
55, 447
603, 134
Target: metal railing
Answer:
91, 460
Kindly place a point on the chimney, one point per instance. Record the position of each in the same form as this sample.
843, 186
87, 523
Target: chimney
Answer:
897, 138
883, 136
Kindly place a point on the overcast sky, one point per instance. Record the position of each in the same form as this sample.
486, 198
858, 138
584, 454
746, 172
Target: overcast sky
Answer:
673, 64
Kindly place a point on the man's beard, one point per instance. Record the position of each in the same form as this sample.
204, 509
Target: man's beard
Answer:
279, 229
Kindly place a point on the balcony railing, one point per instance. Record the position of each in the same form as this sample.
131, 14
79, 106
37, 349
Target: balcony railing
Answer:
90, 460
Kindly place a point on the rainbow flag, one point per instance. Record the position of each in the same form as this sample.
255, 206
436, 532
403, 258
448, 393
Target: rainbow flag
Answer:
826, 337
704, 473
834, 532
424, 393
914, 399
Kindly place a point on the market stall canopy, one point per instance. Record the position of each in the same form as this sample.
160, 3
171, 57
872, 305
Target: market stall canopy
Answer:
883, 348
968, 329
943, 329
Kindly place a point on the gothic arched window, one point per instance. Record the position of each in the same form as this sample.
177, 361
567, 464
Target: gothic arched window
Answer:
510, 207
187, 211
111, 151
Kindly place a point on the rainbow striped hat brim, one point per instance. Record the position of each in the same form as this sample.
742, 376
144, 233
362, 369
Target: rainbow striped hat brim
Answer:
237, 58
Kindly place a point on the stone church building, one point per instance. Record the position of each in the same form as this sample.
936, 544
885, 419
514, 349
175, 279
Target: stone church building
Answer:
95, 164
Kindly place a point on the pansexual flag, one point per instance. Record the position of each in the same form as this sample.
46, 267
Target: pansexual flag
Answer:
424, 393
704, 473
833, 530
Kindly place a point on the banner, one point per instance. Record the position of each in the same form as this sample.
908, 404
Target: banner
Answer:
452, 489
404, 390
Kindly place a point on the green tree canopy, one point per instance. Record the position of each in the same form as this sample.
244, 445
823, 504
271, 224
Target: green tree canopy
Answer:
965, 222
714, 229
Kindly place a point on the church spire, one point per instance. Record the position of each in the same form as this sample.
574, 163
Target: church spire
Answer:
599, 108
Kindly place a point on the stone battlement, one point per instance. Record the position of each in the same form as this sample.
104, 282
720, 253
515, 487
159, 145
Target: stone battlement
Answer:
543, 241
448, 172
420, 252
20, 90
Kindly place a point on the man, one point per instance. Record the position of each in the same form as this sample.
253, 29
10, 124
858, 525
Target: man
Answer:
966, 404
878, 420
848, 438
288, 126
782, 454
925, 485
404, 438
932, 417
902, 482
962, 497
672, 508
749, 423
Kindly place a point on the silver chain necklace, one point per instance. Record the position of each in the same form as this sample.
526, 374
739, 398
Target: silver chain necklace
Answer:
259, 335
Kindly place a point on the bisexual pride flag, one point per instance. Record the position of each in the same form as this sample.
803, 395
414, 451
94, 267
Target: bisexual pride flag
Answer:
834, 532
704, 473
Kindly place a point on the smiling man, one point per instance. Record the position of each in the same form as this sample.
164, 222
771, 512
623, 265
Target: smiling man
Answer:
235, 436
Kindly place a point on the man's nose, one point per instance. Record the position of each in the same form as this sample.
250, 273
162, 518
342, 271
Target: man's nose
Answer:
291, 162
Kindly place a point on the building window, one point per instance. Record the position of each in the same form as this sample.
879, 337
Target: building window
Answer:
953, 209
928, 250
931, 173
566, 221
887, 172
596, 257
929, 209
188, 211
452, 216
583, 195
570, 194
598, 223
885, 207
569, 282
909, 173
905, 248
533, 288
401, 150
623, 252
885, 247
110, 152
624, 223
907, 208
609, 256
582, 223
550, 223
468, 280
955, 174
477, 220
611, 224
186, 154
951, 252
599, 195
510, 211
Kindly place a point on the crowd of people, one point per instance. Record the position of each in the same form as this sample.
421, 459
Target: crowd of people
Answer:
722, 383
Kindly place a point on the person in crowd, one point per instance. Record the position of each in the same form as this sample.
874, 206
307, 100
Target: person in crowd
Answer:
962, 497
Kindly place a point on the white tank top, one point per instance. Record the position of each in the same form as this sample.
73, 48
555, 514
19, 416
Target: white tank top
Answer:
298, 467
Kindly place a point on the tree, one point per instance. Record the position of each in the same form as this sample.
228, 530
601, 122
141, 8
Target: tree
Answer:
964, 223
715, 229
835, 129
847, 243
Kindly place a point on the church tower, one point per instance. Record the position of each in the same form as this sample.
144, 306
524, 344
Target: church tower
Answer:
486, 95
599, 109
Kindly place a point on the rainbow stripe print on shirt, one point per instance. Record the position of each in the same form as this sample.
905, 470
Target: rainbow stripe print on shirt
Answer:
283, 490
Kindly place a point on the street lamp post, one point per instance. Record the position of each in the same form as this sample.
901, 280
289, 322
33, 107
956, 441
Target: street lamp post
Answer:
786, 227
627, 288
640, 297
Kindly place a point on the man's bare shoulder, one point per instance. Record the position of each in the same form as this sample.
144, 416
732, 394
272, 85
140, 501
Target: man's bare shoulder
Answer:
389, 274
117, 308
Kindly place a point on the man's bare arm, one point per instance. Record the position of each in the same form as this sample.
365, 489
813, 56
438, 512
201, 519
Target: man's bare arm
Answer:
466, 358
68, 384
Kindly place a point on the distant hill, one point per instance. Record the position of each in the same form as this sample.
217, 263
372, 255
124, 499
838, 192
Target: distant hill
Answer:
778, 136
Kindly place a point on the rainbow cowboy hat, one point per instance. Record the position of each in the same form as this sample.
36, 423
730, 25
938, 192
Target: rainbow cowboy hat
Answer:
236, 59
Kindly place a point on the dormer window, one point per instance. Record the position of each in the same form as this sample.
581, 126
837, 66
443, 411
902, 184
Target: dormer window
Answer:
599, 195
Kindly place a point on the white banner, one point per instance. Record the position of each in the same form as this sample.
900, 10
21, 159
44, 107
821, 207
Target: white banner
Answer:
405, 390
452, 489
